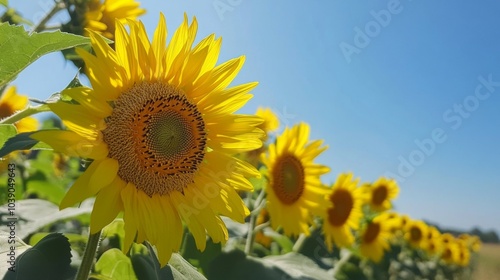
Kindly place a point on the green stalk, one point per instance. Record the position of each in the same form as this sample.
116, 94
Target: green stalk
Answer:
41, 25
25, 113
258, 206
88, 256
299, 243
338, 266
250, 235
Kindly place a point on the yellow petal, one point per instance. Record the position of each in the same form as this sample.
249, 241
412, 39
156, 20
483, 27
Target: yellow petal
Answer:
81, 189
105, 174
87, 98
72, 144
108, 204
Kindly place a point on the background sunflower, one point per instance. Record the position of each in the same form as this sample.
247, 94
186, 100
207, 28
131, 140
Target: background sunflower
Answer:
294, 191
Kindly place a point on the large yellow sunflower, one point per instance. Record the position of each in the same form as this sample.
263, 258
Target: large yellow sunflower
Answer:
294, 191
380, 193
100, 16
344, 213
10, 103
374, 239
160, 126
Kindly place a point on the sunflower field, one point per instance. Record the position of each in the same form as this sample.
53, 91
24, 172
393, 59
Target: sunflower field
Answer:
150, 171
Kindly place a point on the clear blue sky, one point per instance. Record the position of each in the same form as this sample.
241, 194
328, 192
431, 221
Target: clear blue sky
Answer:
370, 96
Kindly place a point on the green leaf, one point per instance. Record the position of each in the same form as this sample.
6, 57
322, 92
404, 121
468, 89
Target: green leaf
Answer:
72, 237
285, 243
5, 249
147, 267
46, 190
236, 265
191, 252
6, 131
37, 213
4, 3
19, 49
12, 16
258, 183
183, 270
298, 266
235, 229
115, 228
48, 259
314, 247
115, 265
22, 141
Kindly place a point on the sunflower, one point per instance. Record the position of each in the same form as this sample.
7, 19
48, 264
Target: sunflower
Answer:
271, 121
475, 243
463, 256
447, 238
160, 127
345, 212
472, 241
450, 250
374, 239
433, 244
294, 191
416, 233
380, 193
100, 16
405, 219
10, 103
394, 224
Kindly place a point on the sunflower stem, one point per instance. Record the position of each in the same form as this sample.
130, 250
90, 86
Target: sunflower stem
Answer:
88, 256
258, 205
250, 234
261, 227
259, 199
25, 113
344, 259
41, 25
299, 243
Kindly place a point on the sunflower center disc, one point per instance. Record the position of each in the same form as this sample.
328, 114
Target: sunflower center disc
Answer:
371, 233
288, 176
432, 246
343, 203
6, 110
447, 254
379, 195
415, 234
157, 136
